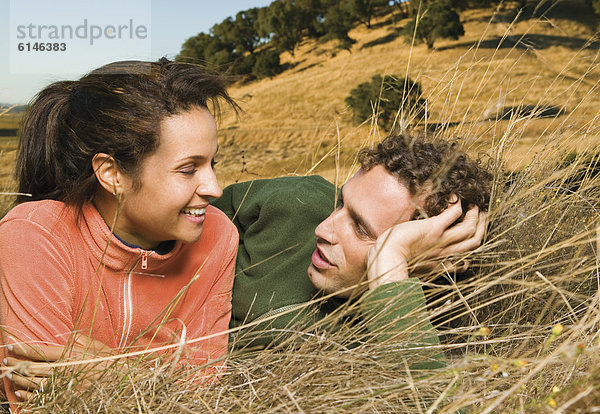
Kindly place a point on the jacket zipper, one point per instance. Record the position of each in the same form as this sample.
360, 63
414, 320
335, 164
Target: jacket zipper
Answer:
127, 298
145, 254
279, 310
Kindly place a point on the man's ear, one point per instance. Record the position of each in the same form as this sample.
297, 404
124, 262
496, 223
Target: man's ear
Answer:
109, 175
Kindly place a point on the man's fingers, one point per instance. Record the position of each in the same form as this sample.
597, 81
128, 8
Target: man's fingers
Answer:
88, 345
469, 237
464, 230
481, 226
449, 215
464, 246
456, 267
38, 352
26, 395
28, 368
27, 383
472, 216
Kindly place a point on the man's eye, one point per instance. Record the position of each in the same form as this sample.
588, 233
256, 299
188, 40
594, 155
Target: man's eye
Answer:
360, 230
188, 171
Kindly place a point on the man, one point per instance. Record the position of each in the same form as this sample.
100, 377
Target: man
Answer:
293, 248
298, 261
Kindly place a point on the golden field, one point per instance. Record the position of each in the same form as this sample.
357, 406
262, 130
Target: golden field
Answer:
292, 123
521, 334
294, 119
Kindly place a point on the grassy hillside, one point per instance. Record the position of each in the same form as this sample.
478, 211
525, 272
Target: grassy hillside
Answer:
292, 123
294, 119
521, 335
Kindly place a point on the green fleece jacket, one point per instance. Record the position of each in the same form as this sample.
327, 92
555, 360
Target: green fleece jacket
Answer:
276, 220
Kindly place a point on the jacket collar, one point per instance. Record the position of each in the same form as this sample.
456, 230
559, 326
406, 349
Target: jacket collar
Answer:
113, 253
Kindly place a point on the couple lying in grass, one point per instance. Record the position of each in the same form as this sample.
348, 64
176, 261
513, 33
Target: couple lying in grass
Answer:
114, 246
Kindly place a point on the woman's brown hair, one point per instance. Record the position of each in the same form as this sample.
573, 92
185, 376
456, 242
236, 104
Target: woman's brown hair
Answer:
116, 110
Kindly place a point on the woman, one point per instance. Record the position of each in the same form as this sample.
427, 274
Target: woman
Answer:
117, 241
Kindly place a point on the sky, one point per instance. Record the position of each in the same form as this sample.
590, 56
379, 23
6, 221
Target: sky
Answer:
85, 34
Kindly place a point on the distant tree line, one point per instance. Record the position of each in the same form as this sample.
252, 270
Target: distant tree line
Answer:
595, 4
250, 43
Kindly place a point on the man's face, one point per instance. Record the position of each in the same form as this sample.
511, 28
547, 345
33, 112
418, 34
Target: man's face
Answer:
372, 202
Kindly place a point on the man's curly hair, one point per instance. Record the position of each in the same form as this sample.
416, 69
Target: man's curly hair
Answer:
433, 168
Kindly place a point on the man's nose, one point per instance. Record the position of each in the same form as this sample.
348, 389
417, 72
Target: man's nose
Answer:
326, 229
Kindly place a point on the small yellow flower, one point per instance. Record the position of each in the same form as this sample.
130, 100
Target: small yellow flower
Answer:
552, 402
484, 330
555, 389
557, 329
494, 367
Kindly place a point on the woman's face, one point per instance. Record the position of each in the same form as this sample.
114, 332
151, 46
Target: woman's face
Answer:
177, 182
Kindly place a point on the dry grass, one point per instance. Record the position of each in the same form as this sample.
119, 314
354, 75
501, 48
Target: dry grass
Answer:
292, 120
521, 333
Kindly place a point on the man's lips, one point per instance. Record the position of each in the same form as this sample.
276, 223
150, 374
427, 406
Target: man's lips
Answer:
319, 260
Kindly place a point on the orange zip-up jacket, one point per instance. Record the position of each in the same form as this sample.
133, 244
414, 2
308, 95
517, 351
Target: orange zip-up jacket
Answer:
60, 275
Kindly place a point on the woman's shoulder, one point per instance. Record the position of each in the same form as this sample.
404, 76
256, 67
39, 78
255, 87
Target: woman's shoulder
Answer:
218, 225
34, 223
219, 240
46, 213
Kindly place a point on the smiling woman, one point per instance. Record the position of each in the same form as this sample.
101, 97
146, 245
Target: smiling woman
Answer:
179, 180
118, 241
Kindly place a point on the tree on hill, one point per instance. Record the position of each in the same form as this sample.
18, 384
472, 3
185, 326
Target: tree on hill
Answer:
313, 12
231, 45
364, 10
208, 49
338, 22
284, 22
438, 20
414, 7
239, 34
266, 64
595, 4
387, 99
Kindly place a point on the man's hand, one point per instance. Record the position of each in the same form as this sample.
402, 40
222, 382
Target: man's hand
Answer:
33, 364
425, 243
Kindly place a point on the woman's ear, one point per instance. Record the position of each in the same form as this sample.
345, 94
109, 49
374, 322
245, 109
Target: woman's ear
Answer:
109, 175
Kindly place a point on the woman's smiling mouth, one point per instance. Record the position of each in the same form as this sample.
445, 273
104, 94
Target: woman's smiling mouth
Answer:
194, 214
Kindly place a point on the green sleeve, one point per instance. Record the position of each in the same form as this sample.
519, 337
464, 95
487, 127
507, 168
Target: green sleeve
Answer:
396, 314
276, 220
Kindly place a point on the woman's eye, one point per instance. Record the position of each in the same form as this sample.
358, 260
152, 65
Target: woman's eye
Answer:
213, 163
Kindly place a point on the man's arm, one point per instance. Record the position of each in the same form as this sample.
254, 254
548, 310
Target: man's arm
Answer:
395, 307
276, 219
396, 317
31, 367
